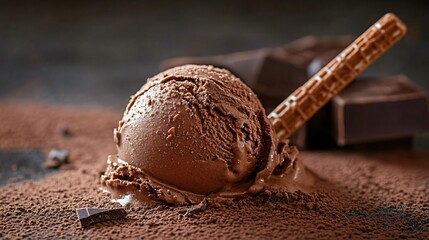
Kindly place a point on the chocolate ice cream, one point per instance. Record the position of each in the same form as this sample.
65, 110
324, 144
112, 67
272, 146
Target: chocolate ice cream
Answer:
193, 132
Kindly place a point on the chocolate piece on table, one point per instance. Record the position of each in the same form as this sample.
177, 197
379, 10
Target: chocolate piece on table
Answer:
89, 216
194, 209
379, 108
56, 158
64, 130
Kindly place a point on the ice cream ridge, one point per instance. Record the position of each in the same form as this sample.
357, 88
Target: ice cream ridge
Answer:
195, 132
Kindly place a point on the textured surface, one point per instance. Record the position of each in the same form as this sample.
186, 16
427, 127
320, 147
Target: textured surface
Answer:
364, 195
186, 127
196, 129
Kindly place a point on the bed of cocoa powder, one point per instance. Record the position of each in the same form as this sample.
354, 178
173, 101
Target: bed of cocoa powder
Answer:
362, 194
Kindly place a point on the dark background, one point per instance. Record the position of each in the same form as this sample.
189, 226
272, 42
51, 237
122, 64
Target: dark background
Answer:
101, 52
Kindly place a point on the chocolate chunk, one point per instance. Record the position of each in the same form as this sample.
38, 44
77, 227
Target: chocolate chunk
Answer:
89, 216
56, 158
379, 109
64, 130
200, 207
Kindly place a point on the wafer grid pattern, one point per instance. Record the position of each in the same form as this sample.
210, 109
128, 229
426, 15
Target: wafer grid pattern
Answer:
294, 111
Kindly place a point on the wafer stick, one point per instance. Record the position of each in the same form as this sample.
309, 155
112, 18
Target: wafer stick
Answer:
302, 104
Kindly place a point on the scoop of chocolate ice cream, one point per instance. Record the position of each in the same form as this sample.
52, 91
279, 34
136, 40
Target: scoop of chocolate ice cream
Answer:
193, 131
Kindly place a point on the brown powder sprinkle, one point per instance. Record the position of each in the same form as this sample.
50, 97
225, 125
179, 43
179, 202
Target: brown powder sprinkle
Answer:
362, 195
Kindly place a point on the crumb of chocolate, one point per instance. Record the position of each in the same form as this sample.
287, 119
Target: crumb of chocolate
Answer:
197, 208
56, 158
64, 130
90, 216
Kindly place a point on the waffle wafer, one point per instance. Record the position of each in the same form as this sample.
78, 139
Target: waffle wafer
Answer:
302, 104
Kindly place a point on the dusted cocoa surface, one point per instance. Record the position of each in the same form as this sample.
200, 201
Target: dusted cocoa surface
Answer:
363, 195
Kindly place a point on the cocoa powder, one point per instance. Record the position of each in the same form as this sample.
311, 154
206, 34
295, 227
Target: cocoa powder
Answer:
360, 195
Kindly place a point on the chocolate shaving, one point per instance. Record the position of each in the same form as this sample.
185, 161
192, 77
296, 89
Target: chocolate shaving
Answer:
194, 209
64, 131
56, 158
89, 216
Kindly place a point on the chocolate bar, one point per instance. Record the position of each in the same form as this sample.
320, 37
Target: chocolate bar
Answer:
273, 73
278, 77
245, 65
374, 109
89, 216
